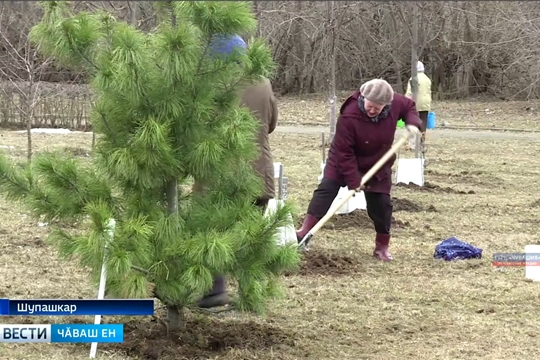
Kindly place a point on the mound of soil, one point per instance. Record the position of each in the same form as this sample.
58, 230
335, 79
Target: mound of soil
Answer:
316, 262
405, 205
435, 188
409, 206
201, 338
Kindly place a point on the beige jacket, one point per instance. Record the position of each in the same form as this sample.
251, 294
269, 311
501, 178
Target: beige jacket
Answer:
423, 103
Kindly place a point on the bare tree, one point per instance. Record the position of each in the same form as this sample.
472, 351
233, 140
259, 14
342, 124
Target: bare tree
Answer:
469, 48
412, 26
332, 67
414, 64
23, 86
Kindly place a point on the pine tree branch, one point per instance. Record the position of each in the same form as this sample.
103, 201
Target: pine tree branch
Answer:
20, 190
79, 52
11, 180
108, 128
92, 64
68, 181
14, 184
210, 72
230, 87
73, 47
274, 224
44, 198
203, 56
140, 269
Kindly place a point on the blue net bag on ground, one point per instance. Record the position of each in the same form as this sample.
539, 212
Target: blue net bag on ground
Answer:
455, 249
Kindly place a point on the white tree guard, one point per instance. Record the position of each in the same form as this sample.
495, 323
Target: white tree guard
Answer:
102, 281
287, 233
410, 171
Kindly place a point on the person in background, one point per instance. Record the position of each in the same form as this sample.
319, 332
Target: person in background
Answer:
365, 131
260, 99
423, 103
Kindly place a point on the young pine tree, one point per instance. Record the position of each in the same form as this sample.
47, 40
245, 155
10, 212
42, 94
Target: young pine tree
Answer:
166, 114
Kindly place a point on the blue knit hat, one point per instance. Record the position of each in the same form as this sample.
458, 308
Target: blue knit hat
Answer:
224, 44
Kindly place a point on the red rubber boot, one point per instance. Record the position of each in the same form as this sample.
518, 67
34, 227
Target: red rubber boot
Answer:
309, 222
381, 247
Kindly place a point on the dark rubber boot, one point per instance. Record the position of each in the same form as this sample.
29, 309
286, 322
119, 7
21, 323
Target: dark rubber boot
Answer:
211, 301
309, 222
217, 296
381, 247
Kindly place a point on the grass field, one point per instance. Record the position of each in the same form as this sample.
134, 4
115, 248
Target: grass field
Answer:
342, 304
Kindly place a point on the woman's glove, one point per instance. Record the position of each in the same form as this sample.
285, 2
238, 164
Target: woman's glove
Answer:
413, 130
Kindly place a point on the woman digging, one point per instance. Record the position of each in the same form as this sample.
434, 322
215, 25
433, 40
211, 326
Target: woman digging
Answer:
364, 133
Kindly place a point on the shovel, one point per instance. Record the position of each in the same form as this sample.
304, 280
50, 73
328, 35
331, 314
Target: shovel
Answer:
305, 241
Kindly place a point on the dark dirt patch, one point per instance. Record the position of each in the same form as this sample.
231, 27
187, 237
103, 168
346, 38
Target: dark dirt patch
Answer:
202, 338
536, 203
529, 221
19, 320
461, 173
409, 206
35, 242
358, 219
429, 187
475, 178
316, 262
37, 320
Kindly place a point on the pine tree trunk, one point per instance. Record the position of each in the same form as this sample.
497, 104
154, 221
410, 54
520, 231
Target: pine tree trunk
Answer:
175, 314
175, 318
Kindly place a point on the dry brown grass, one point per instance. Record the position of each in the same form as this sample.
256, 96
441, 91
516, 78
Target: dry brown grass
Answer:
522, 115
344, 305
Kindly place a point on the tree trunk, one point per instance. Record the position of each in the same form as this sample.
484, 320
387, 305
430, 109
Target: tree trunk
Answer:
29, 103
175, 314
395, 30
298, 40
257, 12
133, 6
175, 318
29, 128
414, 62
332, 66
